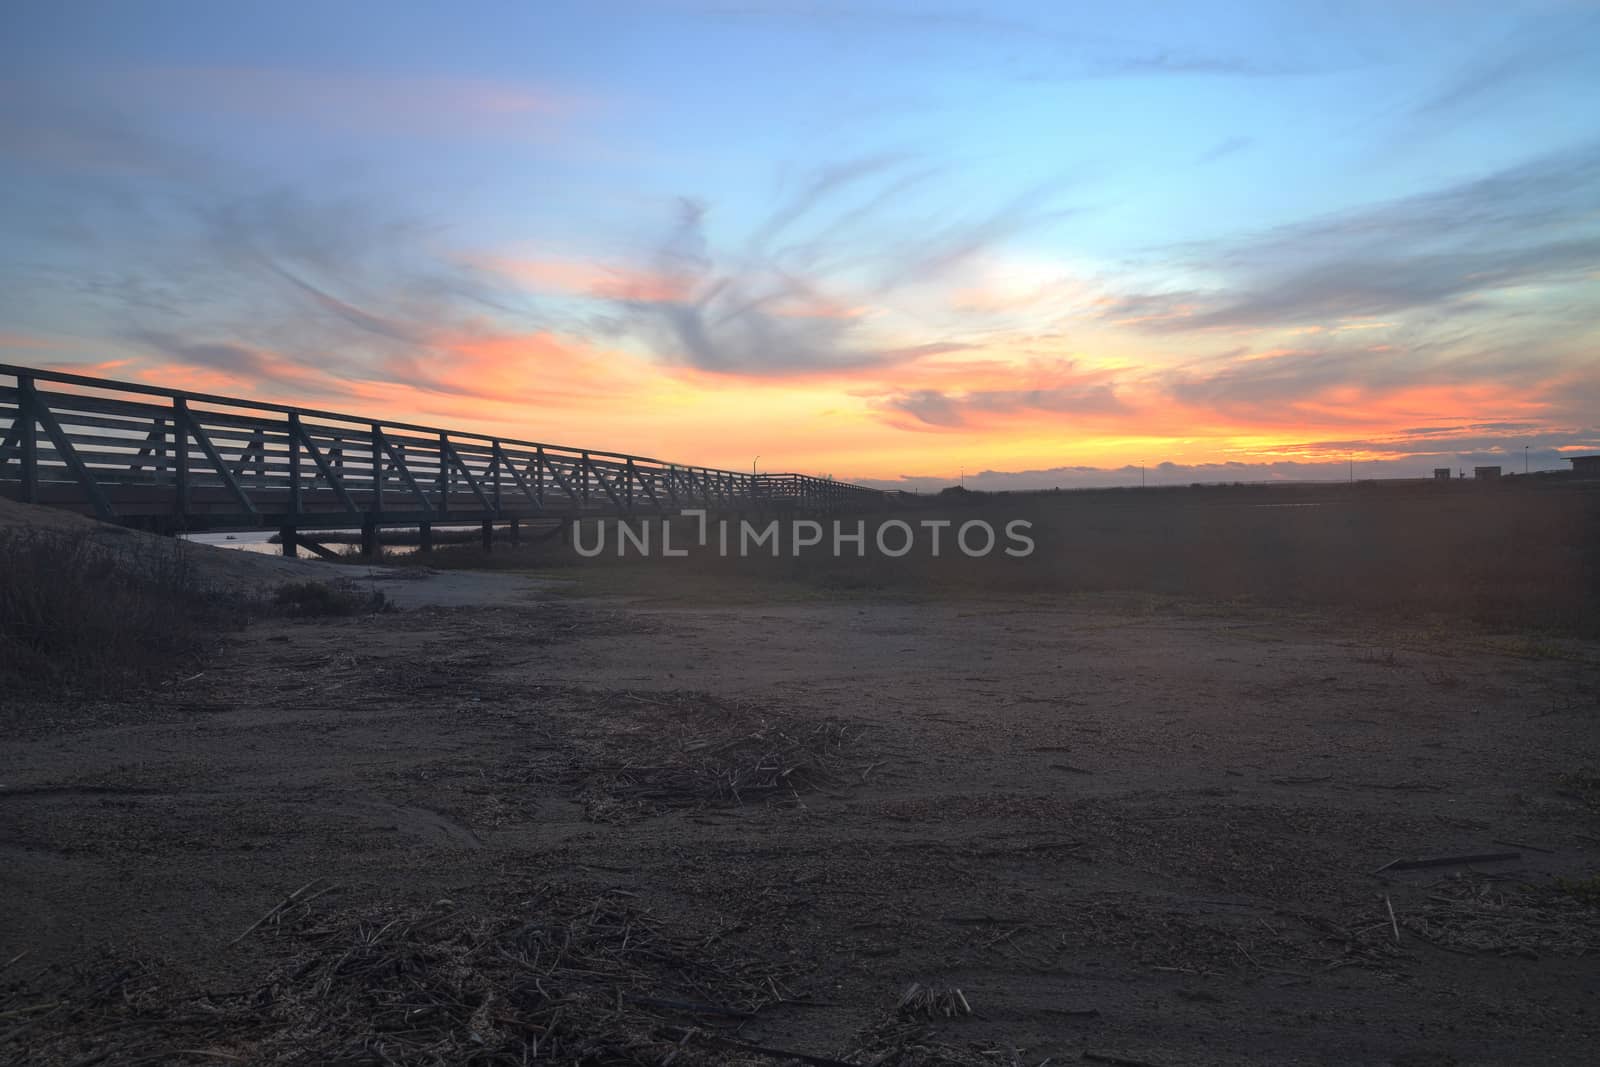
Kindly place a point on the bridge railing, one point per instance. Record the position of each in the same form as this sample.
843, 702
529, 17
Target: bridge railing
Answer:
127, 450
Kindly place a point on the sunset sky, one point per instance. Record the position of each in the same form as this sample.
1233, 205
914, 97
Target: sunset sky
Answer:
1044, 243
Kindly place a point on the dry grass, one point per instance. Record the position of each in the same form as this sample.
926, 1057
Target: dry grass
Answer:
78, 614
1475, 913
323, 599
556, 977
632, 756
82, 612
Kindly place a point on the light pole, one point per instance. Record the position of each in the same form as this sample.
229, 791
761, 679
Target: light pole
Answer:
753, 466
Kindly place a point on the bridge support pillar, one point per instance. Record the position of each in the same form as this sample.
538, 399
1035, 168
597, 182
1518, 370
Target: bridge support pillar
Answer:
424, 537
488, 535
369, 539
291, 547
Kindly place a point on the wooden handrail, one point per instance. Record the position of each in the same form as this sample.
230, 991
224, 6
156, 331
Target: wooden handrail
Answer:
271, 447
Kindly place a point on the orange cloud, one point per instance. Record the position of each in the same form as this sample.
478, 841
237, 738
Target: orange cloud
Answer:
1019, 402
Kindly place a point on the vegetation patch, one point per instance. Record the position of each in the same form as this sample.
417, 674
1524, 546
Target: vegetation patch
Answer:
558, 977
79, 614
630, 755
314, 599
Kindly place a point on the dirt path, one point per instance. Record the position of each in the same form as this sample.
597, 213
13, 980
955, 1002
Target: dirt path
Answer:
1145, 833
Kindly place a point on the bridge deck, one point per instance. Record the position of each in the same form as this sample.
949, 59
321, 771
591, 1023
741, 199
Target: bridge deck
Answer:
171, 460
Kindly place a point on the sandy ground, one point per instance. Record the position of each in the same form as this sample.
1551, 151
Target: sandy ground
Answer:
1144, 830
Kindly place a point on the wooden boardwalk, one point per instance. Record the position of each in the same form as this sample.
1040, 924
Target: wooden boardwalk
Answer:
168, 460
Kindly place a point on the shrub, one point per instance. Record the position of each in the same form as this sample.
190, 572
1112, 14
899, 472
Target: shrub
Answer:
311, 599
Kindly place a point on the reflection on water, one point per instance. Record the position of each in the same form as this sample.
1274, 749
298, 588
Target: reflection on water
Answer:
255, 541
259, 540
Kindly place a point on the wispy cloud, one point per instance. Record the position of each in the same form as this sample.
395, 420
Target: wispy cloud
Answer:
934, 408
286, 285
1538, 48
813, 288
1037, 48
1455, 383
367, 104
27, 342
1531, 224
1228, 146
818, 285
77, 132
999, 393
238, 364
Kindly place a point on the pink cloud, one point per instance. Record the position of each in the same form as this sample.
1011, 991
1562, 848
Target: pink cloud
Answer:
18, 340
583, 278
430, 106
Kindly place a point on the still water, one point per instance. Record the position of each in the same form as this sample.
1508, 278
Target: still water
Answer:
257, 540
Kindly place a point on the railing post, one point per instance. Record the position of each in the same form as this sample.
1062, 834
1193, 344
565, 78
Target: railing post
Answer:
583, 472
444, 473
498, 459
294, 463
629, 497
28, 437
180, 453
538, 478
377, 469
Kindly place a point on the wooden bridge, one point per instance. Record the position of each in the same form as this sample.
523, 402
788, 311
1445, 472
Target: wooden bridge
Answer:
167, 460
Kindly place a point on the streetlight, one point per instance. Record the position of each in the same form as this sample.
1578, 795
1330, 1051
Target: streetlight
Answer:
753, 466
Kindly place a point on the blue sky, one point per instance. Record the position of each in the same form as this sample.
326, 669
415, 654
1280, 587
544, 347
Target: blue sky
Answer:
886, 240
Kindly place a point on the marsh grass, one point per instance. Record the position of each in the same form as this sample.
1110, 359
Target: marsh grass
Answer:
79, 614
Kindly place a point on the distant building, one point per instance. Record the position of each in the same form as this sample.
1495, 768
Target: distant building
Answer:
1486, 473
1586, 466
1441, 474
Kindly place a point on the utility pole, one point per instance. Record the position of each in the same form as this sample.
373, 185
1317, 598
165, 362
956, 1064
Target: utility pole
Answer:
1141, 476
1524, 460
